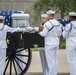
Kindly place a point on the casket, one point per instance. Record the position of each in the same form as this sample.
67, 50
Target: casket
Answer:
20, 20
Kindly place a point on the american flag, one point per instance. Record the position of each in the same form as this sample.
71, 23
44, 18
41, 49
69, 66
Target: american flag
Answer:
63, 21
7, 14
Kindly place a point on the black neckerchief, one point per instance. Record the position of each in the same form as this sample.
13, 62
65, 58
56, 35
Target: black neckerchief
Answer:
42, 24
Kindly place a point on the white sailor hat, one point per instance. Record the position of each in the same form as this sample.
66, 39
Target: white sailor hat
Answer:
1, 17
50, 12
44, 15
72, 14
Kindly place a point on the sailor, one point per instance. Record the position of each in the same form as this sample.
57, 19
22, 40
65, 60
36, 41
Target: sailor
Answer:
50, 31
3, 45
70, 34
44, 19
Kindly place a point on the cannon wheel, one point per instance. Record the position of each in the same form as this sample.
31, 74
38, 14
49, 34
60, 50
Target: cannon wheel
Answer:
12, 61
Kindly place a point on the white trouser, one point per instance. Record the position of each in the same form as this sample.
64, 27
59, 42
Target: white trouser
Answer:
51, 53
2, 60
43, 60
71, 56
22, 65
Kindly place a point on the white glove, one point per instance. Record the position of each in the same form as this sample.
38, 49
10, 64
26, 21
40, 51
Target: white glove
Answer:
29, 28
18, 29
36, 29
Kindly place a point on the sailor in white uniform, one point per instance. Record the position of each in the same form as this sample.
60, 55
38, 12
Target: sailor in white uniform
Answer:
50, 32
70, 34
3, 45
44, 19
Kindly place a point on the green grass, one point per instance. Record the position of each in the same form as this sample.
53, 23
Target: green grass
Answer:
34, 49
62, 44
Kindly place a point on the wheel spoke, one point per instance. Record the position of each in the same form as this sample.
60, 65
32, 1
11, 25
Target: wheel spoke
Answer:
20, 50
18, 65
7, 58
10, 67
21, 55
6, 67
14, 67
21, 60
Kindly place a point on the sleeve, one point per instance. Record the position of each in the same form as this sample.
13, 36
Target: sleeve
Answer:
66, 31
9, 29
59, 30
47, 27
62, 27
44, 32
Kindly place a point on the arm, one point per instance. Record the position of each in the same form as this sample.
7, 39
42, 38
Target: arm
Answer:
46, 28
9, 29
66, 31
59, 30
44, 32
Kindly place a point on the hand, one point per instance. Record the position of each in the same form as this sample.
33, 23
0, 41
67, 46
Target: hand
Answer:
18, 29
36, 29
29, 28
40, 28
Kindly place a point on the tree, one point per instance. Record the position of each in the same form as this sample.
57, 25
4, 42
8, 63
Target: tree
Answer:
61, 6
72, 5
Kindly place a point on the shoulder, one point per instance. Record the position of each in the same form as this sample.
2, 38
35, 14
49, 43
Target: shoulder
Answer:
73, 23
54, 22
48, 25
6, 26
68, 27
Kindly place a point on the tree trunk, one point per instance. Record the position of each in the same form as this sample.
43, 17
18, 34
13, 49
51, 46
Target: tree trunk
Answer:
62, 13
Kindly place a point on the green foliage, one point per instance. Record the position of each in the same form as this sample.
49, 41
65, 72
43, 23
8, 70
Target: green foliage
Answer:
72, 5
34, 49
62, 44
62, 6
42, 5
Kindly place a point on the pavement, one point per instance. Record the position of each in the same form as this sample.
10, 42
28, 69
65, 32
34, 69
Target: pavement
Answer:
36, 69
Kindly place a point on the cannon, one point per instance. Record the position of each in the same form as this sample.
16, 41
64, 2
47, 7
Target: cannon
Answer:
19, 53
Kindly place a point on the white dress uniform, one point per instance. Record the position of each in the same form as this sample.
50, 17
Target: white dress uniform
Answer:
52, 29
51, 46
70, 34
3, 45
42, 53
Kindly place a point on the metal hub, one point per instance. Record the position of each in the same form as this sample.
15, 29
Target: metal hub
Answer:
11, 54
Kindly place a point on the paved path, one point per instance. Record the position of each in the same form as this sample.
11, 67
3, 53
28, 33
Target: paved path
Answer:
62, 65
36, 69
